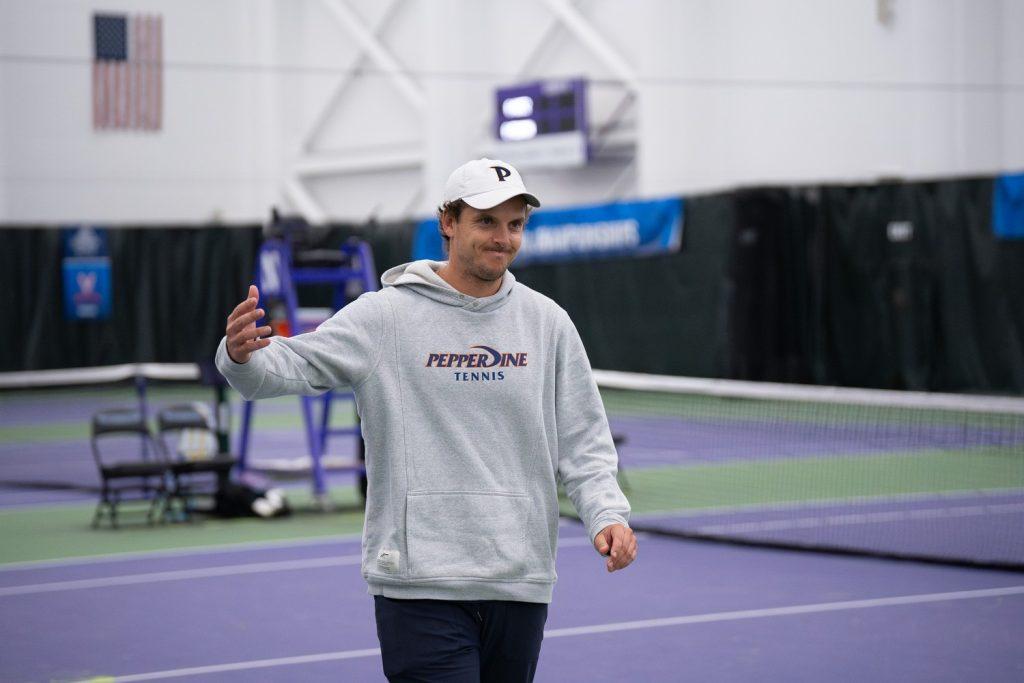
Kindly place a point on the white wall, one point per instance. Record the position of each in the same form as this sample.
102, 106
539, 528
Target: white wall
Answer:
805, 90
728, 92
216, 155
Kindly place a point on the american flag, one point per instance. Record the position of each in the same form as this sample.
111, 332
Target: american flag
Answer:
127, 71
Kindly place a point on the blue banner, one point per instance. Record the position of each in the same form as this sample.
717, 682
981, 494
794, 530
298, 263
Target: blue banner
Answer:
589, 232
1008, 206
86, 267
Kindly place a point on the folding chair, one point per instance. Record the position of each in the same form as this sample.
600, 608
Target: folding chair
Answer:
132, 472
189, 443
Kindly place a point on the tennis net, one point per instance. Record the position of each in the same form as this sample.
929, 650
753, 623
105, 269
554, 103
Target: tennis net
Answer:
931, 477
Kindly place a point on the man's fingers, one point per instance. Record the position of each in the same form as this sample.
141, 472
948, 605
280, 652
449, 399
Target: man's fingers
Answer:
243, 337
617, 541
629, 548
623, 548
251, 334
251, 300
242, 350
255, 344
243, 321
243, 308
249, 340
247, 333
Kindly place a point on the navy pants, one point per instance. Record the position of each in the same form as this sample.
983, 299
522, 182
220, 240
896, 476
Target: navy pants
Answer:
459, 641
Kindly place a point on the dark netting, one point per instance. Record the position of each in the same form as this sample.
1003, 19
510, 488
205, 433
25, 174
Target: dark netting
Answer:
931, 477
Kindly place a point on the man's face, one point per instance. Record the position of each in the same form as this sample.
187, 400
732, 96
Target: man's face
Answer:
483, 242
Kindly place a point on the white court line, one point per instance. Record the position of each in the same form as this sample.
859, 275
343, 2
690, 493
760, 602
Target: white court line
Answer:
786, 611
182, 552
863, 518
243, 666
181, 575
206, 572
603, 628
899, 498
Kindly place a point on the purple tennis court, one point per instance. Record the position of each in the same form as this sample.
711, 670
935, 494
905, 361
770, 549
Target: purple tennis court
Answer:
689, 611
231, 602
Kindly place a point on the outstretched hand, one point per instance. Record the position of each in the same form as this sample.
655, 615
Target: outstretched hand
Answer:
618, 543
243, 337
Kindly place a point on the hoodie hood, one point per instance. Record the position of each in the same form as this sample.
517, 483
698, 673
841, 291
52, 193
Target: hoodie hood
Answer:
421, 277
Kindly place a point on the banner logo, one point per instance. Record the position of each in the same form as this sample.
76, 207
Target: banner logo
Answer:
617, 230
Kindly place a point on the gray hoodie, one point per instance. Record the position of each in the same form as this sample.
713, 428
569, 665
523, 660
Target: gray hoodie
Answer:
472, 411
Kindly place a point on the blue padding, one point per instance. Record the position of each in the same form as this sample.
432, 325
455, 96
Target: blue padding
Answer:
586, 232
1008, 206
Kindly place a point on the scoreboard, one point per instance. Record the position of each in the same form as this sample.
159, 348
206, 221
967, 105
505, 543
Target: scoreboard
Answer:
542, 124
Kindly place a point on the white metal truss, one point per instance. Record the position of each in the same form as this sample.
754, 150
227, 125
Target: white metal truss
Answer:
606, 135
565, 16
350, 75
585, 32
311, 164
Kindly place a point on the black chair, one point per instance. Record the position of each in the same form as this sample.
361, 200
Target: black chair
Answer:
193, 458
135, 472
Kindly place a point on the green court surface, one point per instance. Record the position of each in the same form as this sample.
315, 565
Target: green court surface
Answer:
757, 483
54, 532
51, 532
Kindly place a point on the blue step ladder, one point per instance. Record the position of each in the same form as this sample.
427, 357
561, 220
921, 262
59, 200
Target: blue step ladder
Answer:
280, 269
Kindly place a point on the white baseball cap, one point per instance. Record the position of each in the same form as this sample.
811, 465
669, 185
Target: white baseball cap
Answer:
485, 183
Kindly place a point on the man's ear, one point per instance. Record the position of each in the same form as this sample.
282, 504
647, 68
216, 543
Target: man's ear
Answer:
446, 224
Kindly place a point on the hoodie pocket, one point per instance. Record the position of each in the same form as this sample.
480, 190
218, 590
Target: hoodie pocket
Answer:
470, 535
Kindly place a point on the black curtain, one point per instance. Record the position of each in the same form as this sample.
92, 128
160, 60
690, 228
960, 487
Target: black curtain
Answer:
981, 281
660, 314
173, 287
770, 292
900, 285
918, 291
172, 290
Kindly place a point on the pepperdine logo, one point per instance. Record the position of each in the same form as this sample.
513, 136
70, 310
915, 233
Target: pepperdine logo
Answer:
488, 360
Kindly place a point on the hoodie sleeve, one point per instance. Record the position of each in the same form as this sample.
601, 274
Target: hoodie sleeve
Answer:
341, 352
587, 460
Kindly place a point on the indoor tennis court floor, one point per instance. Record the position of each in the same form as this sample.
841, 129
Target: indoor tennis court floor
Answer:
283, 600
686, 611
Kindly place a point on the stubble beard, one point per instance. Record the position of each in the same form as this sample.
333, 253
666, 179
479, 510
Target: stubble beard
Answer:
486, 273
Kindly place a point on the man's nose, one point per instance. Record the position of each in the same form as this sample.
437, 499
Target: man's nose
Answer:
503, 235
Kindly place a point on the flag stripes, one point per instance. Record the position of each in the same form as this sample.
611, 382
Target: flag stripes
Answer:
127, 72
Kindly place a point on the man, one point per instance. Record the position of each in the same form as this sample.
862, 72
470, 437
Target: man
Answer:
476, 399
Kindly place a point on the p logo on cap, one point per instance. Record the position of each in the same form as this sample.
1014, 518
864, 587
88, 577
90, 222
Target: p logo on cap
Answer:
485, 183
